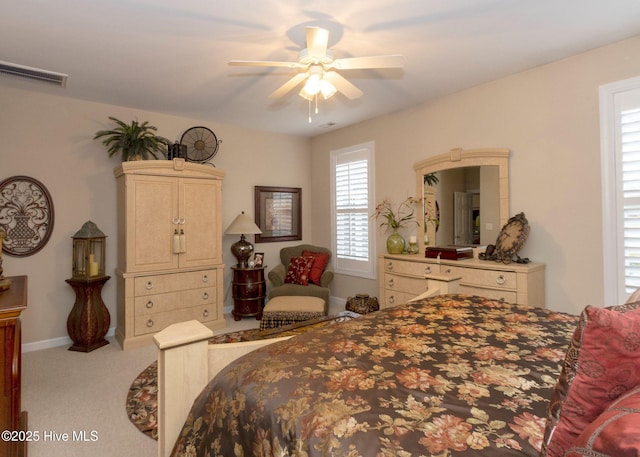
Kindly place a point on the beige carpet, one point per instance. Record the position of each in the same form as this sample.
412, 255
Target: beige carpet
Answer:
66, 392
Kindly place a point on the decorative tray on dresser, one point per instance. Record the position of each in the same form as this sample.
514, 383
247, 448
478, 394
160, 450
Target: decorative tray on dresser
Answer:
402, 277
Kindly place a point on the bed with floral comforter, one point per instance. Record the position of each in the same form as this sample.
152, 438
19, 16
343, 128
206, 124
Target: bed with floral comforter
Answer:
453, 375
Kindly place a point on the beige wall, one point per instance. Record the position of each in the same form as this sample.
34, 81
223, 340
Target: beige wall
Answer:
49, 138
549, 118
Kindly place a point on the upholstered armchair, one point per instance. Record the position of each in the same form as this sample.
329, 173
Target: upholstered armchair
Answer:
317, 283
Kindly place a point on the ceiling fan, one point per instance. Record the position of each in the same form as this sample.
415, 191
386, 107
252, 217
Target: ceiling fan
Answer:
318, 68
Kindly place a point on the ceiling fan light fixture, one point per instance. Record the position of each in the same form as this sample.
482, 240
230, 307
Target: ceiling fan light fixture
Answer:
327, 89
312, 86
306, 95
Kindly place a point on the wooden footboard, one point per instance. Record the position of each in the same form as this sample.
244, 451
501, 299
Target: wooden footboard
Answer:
186, 363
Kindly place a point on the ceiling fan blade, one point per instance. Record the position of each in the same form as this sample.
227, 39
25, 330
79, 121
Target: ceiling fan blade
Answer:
343, 85
353, 63
266, 63
317, 40
289, 85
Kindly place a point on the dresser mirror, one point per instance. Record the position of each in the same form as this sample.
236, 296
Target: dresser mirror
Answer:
469, 203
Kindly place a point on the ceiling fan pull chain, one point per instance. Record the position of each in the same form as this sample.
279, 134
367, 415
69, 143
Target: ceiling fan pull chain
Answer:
309, 111
316, 103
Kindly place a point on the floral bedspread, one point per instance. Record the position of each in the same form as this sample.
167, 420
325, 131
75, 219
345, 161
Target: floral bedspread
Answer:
454, 375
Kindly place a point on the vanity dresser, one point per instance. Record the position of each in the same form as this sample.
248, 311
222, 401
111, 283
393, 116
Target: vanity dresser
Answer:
466, 204
402, 277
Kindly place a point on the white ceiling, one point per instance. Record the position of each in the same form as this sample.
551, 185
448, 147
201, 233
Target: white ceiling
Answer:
171, 56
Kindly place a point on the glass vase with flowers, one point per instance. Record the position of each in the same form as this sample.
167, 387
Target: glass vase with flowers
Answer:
394, 219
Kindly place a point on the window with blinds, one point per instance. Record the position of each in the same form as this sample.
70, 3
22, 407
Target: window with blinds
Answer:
620, 142
352, 191
630, 158
352, 210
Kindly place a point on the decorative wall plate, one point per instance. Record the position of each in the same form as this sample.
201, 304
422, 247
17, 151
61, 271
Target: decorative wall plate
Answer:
26, 215
202, 144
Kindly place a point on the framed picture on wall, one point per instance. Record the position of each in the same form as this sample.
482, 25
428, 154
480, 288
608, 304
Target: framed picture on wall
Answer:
278, 213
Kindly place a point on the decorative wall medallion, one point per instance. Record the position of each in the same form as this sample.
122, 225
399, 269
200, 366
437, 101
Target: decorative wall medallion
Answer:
26, 215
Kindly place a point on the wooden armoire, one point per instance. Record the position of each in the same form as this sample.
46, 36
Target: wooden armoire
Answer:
169, 247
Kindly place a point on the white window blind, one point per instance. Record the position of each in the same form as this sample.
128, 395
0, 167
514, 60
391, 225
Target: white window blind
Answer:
630, 155
620, 142
352, 191
352, 210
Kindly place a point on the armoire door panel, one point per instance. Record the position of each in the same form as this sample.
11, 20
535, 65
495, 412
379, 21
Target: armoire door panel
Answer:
199, 202
154, 206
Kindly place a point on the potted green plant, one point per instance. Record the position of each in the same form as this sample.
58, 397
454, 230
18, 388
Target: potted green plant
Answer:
135, 141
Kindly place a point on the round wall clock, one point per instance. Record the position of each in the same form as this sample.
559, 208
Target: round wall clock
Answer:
202, 144
26, 215
511, 238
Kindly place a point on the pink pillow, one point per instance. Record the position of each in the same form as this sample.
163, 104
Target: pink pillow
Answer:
298, 271
616, 432
602, 363
320, 261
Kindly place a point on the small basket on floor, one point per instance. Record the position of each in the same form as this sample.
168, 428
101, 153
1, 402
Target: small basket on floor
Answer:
285, 310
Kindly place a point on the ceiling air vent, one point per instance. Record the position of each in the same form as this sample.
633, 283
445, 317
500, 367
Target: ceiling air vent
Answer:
36, 74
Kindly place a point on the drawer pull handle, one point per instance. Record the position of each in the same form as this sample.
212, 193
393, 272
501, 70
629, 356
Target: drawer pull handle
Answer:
501, 280
205, 313
150, 323
390, 282
205, 296
427, 270
448, 271
205, 278
149, 285
149, 304
391, 300
390, 266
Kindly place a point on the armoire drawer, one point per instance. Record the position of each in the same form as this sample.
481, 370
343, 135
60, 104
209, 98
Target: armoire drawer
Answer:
416, 269
157, 303
160, 284
155, 322
479, 277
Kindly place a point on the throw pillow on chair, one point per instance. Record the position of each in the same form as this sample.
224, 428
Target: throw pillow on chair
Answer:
298, 271
320, 261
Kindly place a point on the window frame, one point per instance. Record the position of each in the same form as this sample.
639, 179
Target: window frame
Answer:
612, 205
365, 269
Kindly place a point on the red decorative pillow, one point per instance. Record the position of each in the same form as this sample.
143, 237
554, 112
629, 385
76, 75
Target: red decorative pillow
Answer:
602, 363
615, 433
298, 271
320, 261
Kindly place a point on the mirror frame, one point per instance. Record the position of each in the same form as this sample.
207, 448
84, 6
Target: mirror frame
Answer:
460, 158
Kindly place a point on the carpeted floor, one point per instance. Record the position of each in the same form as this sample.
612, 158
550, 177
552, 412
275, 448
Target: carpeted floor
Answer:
142, 406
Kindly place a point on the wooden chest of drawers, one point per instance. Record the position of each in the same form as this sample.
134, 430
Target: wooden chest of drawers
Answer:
402, 277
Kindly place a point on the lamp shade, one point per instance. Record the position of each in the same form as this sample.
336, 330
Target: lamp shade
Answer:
242, 225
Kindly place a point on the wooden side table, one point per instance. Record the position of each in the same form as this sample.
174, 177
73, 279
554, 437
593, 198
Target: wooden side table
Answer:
249, 289
89, 319
12, 302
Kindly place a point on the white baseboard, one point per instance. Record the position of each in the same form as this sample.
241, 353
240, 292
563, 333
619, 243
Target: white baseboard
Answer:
65, 340
55, 342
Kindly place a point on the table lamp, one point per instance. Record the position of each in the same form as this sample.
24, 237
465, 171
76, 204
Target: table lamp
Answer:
242, 225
